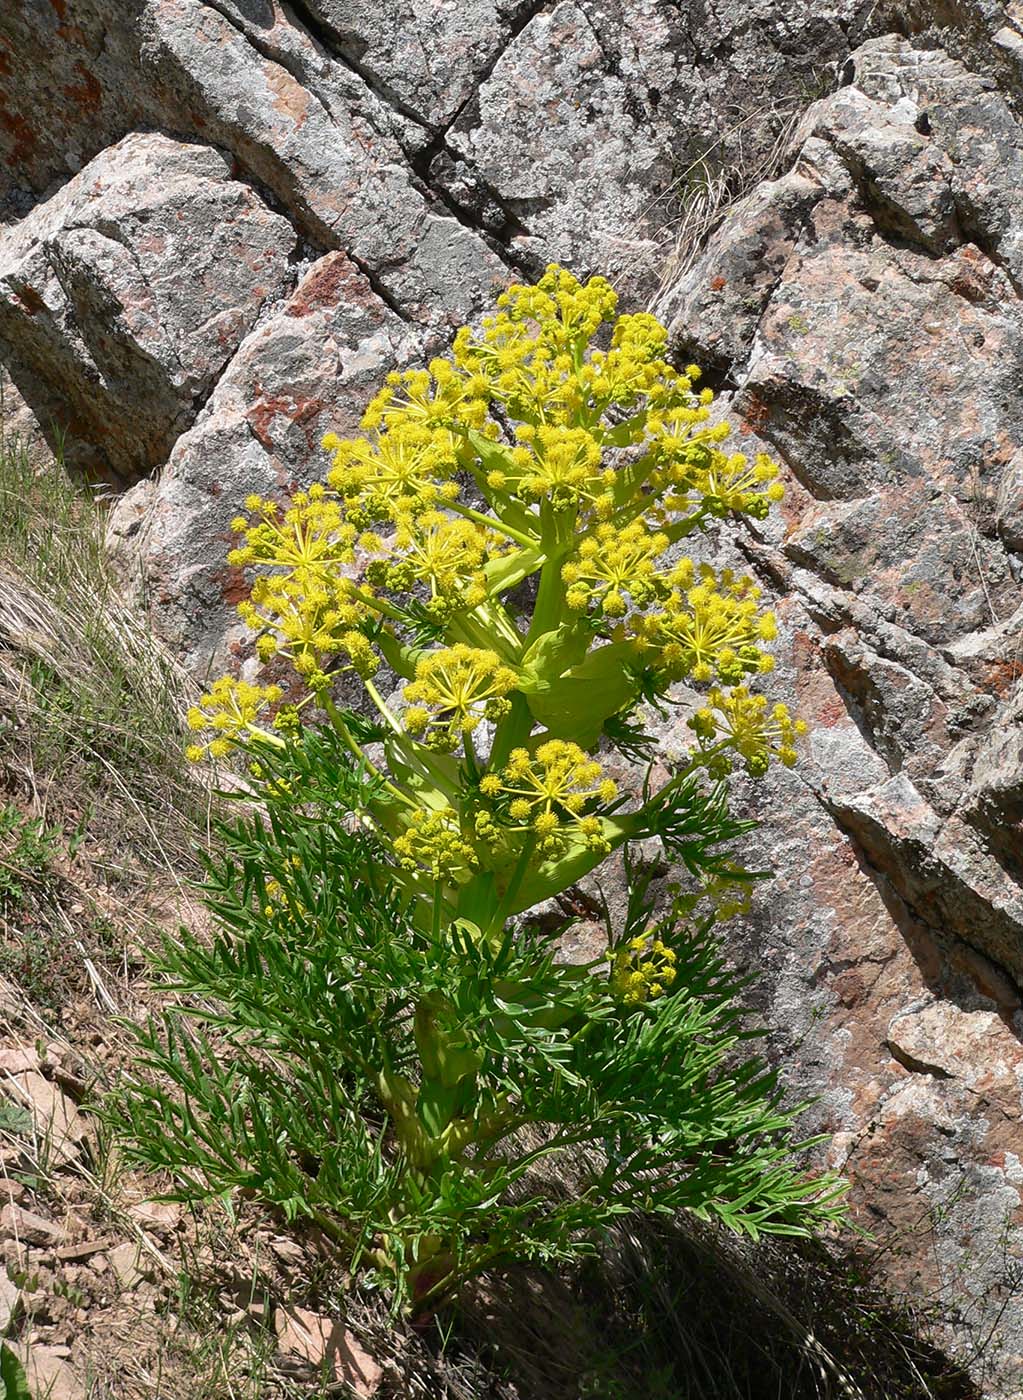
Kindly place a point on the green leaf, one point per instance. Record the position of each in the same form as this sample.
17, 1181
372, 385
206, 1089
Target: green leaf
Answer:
509, 569
576, 704
12, 1376
552, 654
574, 859
438, 1105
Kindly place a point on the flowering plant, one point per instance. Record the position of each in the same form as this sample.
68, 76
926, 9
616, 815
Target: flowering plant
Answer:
530, 456
397, 1058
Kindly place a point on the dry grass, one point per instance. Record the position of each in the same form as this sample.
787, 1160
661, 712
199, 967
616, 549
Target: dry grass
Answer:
703, 195
90, 705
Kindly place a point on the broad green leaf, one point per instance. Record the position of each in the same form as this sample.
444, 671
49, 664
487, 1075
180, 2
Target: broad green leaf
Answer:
491, 456
574, 859
576, 704
552, 654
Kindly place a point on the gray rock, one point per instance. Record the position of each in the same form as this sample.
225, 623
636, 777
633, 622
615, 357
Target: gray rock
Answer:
344, 181
431, 63
123, 297
24, 1226
49, 1374
871, 324
1009, 505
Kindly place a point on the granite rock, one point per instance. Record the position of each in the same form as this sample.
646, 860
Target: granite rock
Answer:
123, 297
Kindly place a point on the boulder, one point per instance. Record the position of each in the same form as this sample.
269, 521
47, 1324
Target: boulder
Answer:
124, 296
865, 306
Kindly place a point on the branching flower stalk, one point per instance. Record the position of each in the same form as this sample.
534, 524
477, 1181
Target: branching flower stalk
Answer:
529, 453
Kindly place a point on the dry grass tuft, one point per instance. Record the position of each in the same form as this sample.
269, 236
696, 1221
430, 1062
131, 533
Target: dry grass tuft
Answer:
703, 195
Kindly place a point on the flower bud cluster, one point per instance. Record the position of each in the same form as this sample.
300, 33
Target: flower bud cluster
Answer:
750, 727
642, 971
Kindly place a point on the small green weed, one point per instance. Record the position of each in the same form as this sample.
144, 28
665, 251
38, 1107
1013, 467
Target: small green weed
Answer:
28, 848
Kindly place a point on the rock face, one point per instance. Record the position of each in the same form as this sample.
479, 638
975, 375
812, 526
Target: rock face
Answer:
123, 297
343, 183
866, 307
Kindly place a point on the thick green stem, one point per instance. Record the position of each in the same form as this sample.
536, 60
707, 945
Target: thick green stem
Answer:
512, 731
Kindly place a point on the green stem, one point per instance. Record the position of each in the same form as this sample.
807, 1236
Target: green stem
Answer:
558, 537
512, 731
378, 604
472, 761
344, 734
381, 705
699, 761
518, 875
474, 631
265, 736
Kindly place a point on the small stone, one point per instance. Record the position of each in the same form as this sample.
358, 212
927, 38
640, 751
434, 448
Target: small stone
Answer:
54, 1117
287, 1251
324, 1341
10, 1297
48, 1373
160, 1216
84, 1250
26, 1227
126, 1262
11, 1190
15, 1059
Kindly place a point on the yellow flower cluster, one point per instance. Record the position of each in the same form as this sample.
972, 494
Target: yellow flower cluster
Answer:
548, 793
312, 536
613, 565
399, 473
561, 465
749, 727
436, 397
228, 711
530, 454
641, 971
732, 482
454, 689
306, 610
690, 471
445, 554
432, 841
709, 625
308, 620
